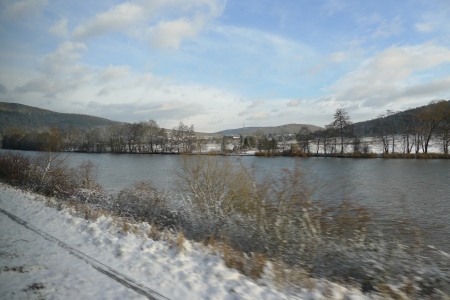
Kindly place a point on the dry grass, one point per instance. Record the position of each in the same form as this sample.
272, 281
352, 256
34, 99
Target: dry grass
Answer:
301, 154
393, 293
251, 264
125, 226
181, 239
362, 155
286, 276
268, 154
416, 155
210, 241
154, 233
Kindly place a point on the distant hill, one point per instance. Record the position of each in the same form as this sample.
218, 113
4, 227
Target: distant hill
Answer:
19, 116
283, 129
369, 127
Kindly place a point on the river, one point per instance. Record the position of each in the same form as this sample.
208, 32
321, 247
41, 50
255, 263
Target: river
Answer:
399, 192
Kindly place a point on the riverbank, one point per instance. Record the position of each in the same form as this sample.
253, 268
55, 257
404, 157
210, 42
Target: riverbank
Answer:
279, 154
360, 155
173, 267
335, 246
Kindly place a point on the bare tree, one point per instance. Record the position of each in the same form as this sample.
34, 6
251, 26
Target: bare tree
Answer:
342, 125
356, 143
183, 137
328, 139
162, 140
116, 138
387, 130
407, 133
303, 139
151, 134
444, 130
282, 138
433, 115
382, 132
318, 135
260, 139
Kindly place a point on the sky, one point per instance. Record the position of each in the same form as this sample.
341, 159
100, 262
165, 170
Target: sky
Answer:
222, 64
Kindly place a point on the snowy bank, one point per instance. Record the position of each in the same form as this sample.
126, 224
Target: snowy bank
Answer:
33, 266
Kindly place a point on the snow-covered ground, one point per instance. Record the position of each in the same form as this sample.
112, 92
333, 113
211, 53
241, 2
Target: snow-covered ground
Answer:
53, 254
375, 146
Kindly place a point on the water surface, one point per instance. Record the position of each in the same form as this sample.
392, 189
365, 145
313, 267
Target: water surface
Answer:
412, 193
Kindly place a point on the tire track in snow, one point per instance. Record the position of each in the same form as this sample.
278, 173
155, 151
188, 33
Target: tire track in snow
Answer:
102, 268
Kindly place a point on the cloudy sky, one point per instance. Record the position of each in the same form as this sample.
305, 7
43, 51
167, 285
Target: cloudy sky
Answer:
218, 64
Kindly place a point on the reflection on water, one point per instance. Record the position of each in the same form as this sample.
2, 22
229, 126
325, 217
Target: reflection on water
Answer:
407, 191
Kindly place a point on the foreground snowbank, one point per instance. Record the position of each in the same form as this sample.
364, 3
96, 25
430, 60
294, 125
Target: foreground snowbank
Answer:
32, 266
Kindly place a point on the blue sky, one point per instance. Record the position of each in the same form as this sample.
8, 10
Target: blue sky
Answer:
219, 64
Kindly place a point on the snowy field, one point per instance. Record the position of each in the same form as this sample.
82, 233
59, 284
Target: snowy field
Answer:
47, 253
375, 146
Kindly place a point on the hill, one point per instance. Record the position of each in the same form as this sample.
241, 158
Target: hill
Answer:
29, 118
283, 129
370, 127
19, 116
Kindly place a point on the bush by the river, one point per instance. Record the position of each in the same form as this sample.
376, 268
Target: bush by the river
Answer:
48, 174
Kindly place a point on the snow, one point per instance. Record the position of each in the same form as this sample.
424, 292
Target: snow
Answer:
33, 266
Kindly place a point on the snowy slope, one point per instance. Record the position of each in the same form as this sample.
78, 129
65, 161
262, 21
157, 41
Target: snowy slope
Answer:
36, 266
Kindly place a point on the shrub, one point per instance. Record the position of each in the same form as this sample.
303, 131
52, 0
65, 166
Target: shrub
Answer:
274, 217
143, 202
48, 174
15, 169
281, 221
416, 155
213, 186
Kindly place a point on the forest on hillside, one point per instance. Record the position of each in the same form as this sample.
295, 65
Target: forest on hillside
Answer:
15, 116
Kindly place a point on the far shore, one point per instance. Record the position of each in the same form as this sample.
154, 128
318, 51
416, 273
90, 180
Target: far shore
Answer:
431, 155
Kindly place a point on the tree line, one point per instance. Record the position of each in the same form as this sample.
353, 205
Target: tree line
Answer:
406, 132
139, 137
413, 131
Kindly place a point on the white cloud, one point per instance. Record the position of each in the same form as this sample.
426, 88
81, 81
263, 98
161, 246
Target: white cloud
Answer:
259, 116
162, 23
59, 73
112, 73
334, 6
61, 61
380, 26
293, 103
385, 77
389, 28
168, 112
170, 34
424, 27
60, 28
264, 55
115, 19
255, 104
338, 57
438, 88
14, 10
64, 84
251, 108
434, 19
